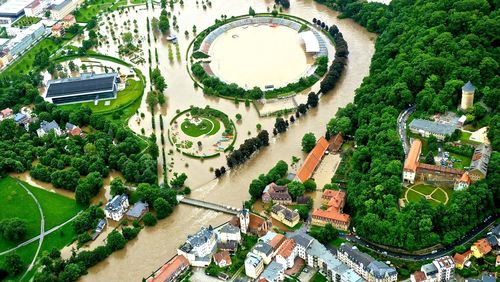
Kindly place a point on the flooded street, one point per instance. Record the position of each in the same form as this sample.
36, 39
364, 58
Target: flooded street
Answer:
259, 55
154, 246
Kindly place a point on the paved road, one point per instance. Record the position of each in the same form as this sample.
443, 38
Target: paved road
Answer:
436, 254
42, 228
402, 118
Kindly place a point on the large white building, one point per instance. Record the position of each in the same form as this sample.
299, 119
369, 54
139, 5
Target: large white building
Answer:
441, 269
229, 233
200, 247
254, 265
11, 10
60, 8
117, 207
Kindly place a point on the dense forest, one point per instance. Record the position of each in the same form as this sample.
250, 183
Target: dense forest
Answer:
425, 52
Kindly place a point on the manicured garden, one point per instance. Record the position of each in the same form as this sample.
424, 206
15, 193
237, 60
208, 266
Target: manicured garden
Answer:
435, 195
26, 21
207, 126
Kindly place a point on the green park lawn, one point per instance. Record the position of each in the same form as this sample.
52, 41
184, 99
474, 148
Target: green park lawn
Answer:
24, 64
318, 277
16, 202
439, 195
26, 21
424, 188
208, 126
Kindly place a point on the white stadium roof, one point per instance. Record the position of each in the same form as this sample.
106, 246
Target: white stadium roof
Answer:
310, 40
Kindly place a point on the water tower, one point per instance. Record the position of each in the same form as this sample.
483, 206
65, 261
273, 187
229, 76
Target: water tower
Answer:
467, 96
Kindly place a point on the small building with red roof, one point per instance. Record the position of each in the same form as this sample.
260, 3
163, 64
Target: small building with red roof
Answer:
222, 259
57, 30
463, 182
69, 20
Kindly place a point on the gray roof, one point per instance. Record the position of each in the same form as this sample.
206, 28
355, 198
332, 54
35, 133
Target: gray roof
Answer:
492, 240
302, 240
488, 277
356, 255
228, 228
253, 259
381, 270
263, 248
19, 117
86, 83
201, 237
138, 209
351, 276
116, 202
48, 126
496, 231
481, 158
469, 87
70, 126
101, 224
271, 273
429, 269
432, 127
288, 213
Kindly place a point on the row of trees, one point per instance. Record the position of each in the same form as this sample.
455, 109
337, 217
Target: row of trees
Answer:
419, 60
339, 62
245, 151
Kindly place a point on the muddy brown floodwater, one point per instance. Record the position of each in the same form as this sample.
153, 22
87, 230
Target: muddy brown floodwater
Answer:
154, 246
259, 55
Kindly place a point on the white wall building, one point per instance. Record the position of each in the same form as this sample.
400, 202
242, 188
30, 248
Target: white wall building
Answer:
229, 232
200, 247
117, 207
254, 265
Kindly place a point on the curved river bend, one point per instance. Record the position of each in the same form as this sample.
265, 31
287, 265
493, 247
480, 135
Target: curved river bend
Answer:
154, 246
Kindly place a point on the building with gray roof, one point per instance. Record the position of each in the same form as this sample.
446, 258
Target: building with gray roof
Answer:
366, 266
138, 210
254, 265
274, 272
264, 250
46, 127
88, 87
199, 247
479, 163
116, 208
427, 128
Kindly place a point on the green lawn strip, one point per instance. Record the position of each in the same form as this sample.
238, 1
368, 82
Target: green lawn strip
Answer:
26, 21
464, 161
413, 196
24, 64
56, 208
424, 188
16, 202
26, 253
208, 126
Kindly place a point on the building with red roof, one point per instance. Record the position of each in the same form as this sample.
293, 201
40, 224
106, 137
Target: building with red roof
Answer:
222, 259
312, 160
69, 20
335, 143
57, 30
335, 201
171, 271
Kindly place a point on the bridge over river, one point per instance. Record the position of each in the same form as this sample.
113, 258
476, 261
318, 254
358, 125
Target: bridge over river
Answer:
208, 205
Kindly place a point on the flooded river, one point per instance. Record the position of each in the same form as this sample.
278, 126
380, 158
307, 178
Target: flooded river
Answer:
259, 55
155, 246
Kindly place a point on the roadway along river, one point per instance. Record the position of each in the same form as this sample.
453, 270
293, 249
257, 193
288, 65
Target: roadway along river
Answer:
155, 246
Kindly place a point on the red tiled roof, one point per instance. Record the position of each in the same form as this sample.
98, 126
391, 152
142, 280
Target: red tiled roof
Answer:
276, 242
56, 27
75, 131
332, 215
170, 269
313, 159
411, 162
483, 246
439, 168
465, 177
69, 17
419, 276
461, 258
286, 248
337, 201
7, 112
222, 256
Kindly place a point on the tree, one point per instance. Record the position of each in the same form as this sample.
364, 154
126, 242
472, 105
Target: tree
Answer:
115, 241
256, 188
251, 12
149, 219
162, 208
336, 125
152, 100
312, 100
238, 117
127, 37
117, 187
280, 125
302, 108
433, 143
429, 159
13, 229
308, 142
164, 24
130, 233
310, 185
155, 24
295, 189
13, 264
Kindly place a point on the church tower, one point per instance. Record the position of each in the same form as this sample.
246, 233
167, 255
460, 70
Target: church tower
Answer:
467, 96
244, 216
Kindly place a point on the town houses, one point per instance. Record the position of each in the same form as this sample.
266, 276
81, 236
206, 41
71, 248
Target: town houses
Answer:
285, 215
335, 201
199, 247
440, 269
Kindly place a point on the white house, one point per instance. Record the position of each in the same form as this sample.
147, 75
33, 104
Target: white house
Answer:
229, 232
46, 127
254, 265
200, 247
117, 207
264, 250
287, 253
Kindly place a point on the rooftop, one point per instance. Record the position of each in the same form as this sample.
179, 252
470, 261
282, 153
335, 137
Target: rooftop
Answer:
271, 273
313, 159
86, 83
14, 6
48, 126
222, 256
356, 255
411, 161
228, 228
264, 248
468, 87
201, 237
481, 158
169, 270
116, 203
138, 209
433, 127
253, 259
287, 213
286, 249
483, 246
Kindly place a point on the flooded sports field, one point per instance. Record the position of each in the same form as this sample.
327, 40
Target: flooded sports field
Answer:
260, 55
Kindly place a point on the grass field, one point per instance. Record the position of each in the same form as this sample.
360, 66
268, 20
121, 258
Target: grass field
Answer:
86, 13
26, 21
132, 91
423, 191
16, 202
24, 64
208, 126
